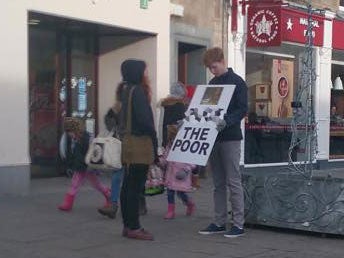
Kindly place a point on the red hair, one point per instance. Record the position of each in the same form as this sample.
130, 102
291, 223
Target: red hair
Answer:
147, 88
212, 55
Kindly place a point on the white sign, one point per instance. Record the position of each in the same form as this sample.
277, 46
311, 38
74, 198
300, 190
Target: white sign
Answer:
195, 139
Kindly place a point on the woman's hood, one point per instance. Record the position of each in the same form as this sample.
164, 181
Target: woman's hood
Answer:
132, 70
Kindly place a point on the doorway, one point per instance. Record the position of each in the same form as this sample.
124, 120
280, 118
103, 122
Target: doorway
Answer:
191, 70
62, 82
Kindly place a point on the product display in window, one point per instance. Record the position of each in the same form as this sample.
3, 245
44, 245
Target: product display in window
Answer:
263, 91
337, 114
267, 128
263, 108
282, 88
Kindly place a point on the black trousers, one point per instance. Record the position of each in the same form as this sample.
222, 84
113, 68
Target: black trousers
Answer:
133, 182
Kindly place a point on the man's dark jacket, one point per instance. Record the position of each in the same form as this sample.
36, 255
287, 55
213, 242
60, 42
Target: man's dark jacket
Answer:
237, 108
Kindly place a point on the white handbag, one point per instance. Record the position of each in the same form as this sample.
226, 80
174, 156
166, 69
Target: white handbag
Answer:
104, 153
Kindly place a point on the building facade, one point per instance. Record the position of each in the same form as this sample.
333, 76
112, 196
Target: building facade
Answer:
63, 58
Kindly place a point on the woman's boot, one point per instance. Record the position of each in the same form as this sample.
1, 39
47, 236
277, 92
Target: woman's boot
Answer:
140, 234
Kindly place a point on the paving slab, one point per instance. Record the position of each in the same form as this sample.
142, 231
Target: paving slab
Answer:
32, 227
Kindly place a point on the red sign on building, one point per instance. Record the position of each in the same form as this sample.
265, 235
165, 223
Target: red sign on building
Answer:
338, 34
268, 26
263, 26
294, 27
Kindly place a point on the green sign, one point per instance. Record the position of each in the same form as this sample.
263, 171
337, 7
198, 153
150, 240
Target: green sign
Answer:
143, 4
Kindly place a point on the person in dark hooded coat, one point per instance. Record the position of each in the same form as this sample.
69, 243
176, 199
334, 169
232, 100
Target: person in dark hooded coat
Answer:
134, 73
174, 108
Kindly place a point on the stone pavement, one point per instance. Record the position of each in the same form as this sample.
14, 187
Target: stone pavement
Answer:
32, 227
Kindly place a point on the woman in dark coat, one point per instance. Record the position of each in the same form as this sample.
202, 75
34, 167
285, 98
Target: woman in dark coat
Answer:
134, 73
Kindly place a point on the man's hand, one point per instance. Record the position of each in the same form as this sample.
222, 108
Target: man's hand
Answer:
220, 123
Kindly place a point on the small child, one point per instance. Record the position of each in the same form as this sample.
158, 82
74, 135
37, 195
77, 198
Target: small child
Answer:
177, 178
79, 140
111, 121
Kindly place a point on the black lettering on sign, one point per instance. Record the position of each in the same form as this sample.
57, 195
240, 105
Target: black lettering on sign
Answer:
204, 148
193, 141
194, 147
177, 143
187, 129
204, 134
195, 133
185, 146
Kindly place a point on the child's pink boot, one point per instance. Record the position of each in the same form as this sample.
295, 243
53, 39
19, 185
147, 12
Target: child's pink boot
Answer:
107, 195
190, 208
67, 204
170, 212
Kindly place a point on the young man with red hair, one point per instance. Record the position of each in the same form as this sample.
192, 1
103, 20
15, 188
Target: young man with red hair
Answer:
225, 157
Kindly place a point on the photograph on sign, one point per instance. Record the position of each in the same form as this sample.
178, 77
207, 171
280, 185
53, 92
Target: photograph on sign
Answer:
196, 138
211, 96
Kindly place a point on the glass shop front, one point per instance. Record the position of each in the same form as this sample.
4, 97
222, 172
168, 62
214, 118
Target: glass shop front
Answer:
274, 76
63, 81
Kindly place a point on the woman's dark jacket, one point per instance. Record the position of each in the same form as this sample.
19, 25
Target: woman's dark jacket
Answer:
142, 122
237, 108
76, 155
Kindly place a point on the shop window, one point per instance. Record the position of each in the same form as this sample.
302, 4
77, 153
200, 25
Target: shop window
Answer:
272, 84
337, 113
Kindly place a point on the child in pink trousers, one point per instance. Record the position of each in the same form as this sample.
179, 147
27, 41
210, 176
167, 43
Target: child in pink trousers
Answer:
75, 159
177, 179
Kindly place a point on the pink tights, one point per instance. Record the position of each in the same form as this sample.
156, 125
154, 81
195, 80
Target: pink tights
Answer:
79, 178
